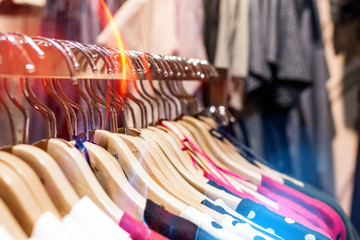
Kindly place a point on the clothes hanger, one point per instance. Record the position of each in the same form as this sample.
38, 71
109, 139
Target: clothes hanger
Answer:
217, 153
108, 94
110, 112
183, 163
11, 120
72, 104
167, 75
68, 112
144, 183
75, 168
23, 110
112, 178
18, 198
58, 187
79, 174
174, 184
141, 76
32, 181
162, 73
153, 72
9, 222
46, 113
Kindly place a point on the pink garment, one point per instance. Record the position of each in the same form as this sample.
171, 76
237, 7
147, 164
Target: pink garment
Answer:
328, 214
310, 220
138, 230
286, 209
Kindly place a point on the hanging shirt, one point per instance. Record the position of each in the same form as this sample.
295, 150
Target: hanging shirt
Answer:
310, 191
207, 223
48, 226
4, 234
172, 226
240, 225
138, 230
232, 49
74, 230
144, 25
330, 217
272, 222
97, 224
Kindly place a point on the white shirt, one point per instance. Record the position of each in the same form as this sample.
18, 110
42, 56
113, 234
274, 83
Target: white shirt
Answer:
96, 223
4, 234
48, 226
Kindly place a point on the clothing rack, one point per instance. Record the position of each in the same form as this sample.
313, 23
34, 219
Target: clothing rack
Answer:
40, 57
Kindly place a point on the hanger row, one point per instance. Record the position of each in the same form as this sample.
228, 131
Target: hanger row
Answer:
41, 57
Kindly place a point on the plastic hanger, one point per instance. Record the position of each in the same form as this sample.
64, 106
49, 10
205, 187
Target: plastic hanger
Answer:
18, 198
58, 187
32, 181
9, 222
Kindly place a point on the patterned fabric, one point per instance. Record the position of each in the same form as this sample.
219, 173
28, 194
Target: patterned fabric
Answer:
277, 224
286, 209
238, 220
170, 225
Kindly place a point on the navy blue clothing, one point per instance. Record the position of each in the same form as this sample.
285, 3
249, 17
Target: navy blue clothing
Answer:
172, 226
355, 210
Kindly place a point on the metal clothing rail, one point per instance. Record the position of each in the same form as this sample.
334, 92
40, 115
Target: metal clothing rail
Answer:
39, 57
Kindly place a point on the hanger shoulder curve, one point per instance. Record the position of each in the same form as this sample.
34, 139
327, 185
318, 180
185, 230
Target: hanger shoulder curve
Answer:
60, 190
79, 174
17, 196
8, 220
31, 180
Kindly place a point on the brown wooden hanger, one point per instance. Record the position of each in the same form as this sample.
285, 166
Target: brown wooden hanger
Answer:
58, 187
9, 222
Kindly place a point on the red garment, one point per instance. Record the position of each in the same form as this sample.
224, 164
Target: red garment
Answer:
139, 230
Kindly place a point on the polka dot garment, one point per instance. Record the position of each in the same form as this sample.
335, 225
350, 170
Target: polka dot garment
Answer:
276, 224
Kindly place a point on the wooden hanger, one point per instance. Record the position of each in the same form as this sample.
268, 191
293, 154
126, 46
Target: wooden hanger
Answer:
31, 180
58, 187
153, 162
18, 198
9, 222
200, 182
216, 154
113, 180
174, 184
79, 174
132, 168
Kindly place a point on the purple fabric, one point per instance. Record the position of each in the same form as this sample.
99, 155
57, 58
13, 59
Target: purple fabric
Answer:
326, 213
